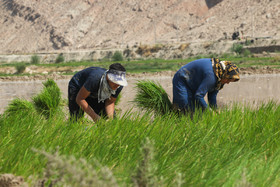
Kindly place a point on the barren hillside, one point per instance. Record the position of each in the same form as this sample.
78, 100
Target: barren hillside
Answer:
48, 25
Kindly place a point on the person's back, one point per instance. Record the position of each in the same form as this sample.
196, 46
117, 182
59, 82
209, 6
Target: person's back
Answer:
90, 73
196, 72
194, 80
94, 90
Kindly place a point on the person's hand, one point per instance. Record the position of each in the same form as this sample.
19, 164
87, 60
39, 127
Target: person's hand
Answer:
216, 112
97, 118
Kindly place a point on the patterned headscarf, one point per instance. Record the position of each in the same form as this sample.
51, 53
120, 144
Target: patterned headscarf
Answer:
224, 70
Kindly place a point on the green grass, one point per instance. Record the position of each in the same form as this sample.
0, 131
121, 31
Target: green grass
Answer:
157, 65
239, 146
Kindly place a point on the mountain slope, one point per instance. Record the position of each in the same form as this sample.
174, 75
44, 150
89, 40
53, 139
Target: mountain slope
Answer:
48, 25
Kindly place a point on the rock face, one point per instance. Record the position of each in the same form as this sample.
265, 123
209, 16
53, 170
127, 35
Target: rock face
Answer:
29, 26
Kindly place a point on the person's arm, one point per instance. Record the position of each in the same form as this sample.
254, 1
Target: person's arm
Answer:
212, 99
81, 101
207, 83
199, 97
110, 107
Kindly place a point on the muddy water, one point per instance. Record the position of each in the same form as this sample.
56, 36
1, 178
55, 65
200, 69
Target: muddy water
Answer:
251, 89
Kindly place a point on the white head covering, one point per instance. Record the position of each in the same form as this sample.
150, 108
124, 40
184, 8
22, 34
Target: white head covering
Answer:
117, 77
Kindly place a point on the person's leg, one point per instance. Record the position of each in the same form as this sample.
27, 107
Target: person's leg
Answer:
74, 109
181, 94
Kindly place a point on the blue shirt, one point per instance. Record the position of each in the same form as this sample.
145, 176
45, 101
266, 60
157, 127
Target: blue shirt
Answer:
200, 79
90, 78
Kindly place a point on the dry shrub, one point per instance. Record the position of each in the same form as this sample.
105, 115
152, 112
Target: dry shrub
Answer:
145, 50
9, 180
147, 53
207, 45
182, 47
145, 171
156, 48
142, 49
68, 171
276, 59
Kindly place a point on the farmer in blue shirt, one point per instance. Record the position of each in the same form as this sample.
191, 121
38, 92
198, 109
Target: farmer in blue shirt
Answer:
94, 90
198, 78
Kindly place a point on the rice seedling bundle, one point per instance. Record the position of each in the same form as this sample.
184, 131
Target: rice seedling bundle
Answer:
49, 99
19, 105
152, 96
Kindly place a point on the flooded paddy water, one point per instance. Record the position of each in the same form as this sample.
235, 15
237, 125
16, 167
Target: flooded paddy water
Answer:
251, 89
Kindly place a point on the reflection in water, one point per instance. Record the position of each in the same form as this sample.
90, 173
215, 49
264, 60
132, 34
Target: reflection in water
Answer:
251, 89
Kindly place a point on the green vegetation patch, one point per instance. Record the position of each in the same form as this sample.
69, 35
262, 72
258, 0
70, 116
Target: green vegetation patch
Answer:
150, 65
47, 102
238, 146
151, 96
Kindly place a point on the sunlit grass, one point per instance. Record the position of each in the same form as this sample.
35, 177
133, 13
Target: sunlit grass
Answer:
238, 146
155, 65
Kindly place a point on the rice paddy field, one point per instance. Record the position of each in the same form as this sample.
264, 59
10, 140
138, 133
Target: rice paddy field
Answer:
234, 146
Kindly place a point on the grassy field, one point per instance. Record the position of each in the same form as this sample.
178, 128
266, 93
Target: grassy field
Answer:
237, 147
153, 65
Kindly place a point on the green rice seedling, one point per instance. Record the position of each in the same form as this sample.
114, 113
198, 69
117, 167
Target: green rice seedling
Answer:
238, 146
47, 102
152, 96
18, 105
50, 83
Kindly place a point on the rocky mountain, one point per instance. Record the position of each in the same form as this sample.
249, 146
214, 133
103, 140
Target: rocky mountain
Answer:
29, 26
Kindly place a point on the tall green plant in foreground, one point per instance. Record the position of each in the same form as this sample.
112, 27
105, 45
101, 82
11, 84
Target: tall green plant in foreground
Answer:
145, 173
64, 170
239, 146
152, 96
